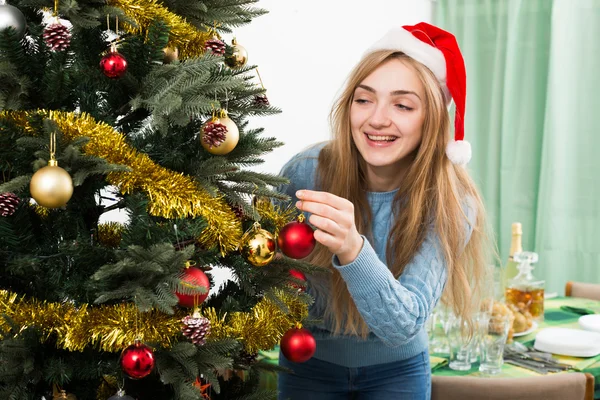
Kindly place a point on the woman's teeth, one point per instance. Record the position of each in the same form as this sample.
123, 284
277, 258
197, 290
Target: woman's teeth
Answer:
381, 138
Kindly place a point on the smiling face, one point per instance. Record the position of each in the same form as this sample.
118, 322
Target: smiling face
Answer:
386, 119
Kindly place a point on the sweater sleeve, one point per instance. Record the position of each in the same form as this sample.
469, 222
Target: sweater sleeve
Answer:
396, 309
300, 171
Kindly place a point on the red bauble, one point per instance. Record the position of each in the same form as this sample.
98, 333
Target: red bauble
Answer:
137, 360
193, 278
296, 240
298, 345
298, 275
113, 65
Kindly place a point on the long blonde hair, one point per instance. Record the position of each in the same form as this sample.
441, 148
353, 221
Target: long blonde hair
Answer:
433, 190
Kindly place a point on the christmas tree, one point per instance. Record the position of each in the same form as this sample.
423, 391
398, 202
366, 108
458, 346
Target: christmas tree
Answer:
137, 105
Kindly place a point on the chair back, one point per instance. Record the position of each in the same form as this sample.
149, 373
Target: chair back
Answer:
584, 290
563, 386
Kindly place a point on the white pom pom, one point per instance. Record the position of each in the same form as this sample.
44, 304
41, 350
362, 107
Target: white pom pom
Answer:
459, 152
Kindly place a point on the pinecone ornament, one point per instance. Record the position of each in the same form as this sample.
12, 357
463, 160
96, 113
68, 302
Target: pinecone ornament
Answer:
215, 134
196, 328
261, 100
216, 46
238, 211
8, 204
57, 36
248, 358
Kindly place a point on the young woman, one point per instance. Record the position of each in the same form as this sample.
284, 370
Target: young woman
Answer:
397, 220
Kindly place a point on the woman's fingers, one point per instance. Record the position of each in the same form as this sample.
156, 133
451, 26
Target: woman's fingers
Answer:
326, 240
336, 202
325, 224
333, 216
323, 210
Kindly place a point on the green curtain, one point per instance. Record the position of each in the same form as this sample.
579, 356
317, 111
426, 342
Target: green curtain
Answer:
533, 101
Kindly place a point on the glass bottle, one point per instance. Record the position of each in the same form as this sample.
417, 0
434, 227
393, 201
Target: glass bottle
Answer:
510, 270
525, 291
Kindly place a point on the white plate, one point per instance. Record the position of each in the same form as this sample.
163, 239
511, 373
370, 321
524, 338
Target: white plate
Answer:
568, 342
590, 322
534, 326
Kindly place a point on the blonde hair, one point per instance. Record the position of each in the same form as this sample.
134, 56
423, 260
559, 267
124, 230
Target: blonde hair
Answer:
433, 190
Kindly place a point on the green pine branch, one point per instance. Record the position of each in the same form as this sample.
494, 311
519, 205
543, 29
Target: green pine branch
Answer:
229, 13
158, 38
146, 276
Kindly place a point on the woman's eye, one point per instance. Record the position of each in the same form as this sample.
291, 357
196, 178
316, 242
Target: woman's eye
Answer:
403, 107
361, 101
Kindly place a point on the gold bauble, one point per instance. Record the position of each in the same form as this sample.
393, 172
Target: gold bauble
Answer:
231, 137
51, 186
238, 57
258, 246
171, 54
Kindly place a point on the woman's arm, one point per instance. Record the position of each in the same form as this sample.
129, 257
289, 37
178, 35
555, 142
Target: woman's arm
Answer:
395, 309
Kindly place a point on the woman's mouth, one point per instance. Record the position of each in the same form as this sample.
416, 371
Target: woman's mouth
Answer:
380, 140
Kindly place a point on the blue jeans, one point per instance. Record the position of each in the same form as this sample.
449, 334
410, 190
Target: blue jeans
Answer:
319, 380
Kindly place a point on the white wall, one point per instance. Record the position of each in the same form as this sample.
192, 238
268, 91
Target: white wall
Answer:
304, 50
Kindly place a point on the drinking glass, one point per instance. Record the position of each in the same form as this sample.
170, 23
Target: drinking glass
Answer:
492, 343
459, 342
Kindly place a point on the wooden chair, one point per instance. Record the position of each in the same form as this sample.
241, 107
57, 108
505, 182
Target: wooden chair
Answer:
585, 290
563, 386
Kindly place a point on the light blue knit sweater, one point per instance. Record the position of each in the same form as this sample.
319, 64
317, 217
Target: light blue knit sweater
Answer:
394, 309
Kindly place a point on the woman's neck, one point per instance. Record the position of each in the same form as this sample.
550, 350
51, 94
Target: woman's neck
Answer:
386, 178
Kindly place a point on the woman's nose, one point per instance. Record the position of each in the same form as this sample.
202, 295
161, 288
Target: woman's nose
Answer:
380, 116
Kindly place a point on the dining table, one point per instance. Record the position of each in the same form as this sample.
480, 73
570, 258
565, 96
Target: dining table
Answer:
563, 312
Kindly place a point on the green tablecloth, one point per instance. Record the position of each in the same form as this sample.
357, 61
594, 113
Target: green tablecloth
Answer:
553, 316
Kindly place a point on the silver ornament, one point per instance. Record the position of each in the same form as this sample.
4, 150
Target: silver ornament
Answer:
121, 396
11, 16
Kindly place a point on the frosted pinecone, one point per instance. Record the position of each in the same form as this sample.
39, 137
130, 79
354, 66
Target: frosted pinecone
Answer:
214, 134
216, 46
8, 204
261, 100
57, 36
196, 329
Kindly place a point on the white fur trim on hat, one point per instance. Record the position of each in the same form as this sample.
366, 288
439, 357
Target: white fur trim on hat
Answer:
459, 152
402, 40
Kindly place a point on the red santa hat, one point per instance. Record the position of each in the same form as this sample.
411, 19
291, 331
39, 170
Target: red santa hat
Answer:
437, 50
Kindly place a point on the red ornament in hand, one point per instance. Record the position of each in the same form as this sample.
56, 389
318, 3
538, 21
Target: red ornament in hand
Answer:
193, 278
137, 360
113, 65
298, 345
296, 239
298, 275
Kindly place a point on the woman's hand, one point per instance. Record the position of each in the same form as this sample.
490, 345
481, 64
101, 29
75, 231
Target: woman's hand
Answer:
333, 217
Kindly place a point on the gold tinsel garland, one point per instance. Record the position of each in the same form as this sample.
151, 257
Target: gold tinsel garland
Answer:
188, 40
110, 234
113, 327
171, 195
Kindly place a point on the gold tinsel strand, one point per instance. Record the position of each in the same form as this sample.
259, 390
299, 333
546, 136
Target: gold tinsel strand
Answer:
171, 194
187, 38
279, 216
43, 212
112, 327
110, 234
262, 327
